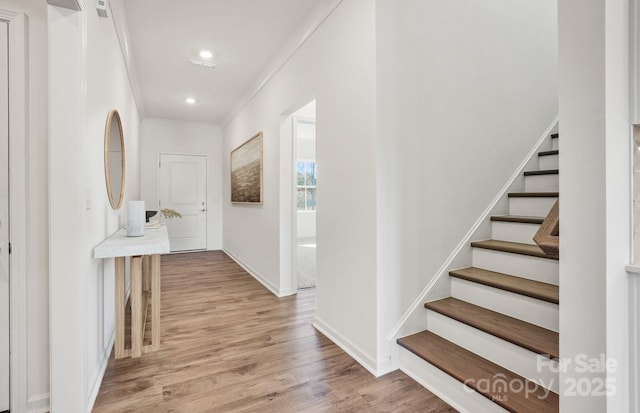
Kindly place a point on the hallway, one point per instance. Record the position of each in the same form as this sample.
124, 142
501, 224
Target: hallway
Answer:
229, 345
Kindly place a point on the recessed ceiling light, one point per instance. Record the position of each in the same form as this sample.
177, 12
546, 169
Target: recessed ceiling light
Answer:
206, 54
190, 101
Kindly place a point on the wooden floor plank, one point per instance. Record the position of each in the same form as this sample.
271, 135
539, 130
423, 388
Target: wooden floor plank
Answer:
229, 345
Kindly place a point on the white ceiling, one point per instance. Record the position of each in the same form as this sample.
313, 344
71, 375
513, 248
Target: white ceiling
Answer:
245, 36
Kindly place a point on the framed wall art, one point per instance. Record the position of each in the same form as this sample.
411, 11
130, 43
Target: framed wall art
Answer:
246, 172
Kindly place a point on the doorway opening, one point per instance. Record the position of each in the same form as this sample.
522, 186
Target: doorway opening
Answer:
305, 196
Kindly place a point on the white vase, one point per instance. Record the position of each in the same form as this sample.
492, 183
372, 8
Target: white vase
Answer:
135, 218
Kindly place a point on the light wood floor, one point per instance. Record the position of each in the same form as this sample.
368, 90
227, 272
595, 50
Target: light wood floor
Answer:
229, 345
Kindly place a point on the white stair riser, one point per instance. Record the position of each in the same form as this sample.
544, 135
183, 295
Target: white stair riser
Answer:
541, 183
444, 386
534, 268
548, 162
554, 144
531, 310
532, 207
513, 231
519, 360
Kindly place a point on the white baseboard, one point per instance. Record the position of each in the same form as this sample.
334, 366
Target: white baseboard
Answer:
97, 381
39, 403
255, 274
287, 292
345, 344
387, 365
389, 360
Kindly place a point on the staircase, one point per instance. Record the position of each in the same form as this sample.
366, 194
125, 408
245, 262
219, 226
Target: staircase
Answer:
492, 346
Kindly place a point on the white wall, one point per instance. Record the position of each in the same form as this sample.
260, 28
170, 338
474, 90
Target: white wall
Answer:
37, 374
83, 48
107, 88
337, 66
465, 89
595, 198
168, 136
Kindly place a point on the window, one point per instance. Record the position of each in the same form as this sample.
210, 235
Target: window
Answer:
306, 185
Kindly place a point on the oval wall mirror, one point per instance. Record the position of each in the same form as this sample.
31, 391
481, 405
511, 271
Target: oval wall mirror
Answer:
114, 159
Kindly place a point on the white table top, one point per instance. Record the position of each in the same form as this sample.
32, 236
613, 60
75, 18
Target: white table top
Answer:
154, 241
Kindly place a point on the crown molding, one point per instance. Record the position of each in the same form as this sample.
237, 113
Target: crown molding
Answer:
118, 14
305, 30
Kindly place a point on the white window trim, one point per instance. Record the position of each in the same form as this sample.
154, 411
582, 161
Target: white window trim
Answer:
306, 209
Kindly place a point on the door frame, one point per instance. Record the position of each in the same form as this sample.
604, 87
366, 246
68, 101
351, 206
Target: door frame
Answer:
295, 119
18, 161
206, 162
285, 198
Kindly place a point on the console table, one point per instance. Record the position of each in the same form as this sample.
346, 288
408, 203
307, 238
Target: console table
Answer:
145, 281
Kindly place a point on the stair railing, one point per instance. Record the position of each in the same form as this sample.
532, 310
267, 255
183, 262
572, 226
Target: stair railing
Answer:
548, 236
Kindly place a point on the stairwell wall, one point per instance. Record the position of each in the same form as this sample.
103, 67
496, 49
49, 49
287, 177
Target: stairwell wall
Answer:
465, 89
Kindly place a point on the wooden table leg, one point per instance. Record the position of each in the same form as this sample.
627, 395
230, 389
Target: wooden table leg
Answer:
137, 335
119, 306
155, 301
146, 273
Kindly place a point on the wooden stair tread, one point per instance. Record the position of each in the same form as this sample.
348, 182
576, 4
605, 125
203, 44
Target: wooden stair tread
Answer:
472, 369
523, 334
513, 247
542, 172
518, 285
548, 153
533, 194
518, 218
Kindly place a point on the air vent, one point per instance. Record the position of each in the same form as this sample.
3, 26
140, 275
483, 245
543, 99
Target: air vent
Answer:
209, 65
101, 8
67, 4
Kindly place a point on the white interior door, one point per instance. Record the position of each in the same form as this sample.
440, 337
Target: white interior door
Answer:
4, 217
183, 187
